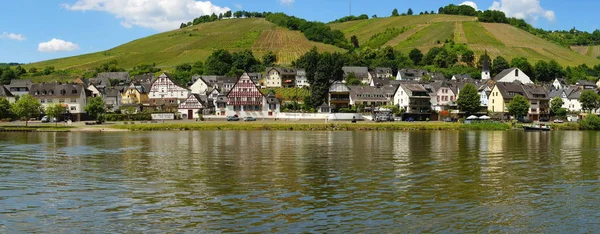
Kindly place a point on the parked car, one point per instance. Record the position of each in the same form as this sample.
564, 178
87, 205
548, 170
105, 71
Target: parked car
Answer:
47, 119
410, 119
233, 118
249, 118
559, 121
544, 119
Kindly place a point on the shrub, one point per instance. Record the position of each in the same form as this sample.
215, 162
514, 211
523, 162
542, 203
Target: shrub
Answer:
131, 117
591, 122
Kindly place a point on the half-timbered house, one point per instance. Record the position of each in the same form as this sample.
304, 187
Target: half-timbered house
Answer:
245, 99
165, 93
194, 106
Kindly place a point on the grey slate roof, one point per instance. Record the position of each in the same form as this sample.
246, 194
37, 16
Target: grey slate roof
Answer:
56, 90
122, 76
369, 93
362, 73
144, 78
14, 83
509, 90
284, 71
338, 87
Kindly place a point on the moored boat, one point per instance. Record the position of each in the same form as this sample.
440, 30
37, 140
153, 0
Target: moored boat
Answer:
536, 127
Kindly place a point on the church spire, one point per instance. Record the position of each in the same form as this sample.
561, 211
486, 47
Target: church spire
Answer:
485, 71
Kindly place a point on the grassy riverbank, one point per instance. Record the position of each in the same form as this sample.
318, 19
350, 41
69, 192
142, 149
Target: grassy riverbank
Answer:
362, 126
34, 128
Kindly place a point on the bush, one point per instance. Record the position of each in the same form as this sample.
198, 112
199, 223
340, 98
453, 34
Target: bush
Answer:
132, 117
591, 122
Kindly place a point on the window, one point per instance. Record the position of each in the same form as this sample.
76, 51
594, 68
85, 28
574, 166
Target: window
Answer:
42, 101
73, 100
516, 72
73, 108
61, 100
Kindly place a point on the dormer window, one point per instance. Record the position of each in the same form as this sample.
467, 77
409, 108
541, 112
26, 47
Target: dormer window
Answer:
63, 92
74, 91
36, 93
44, 92
51, 92
516, 72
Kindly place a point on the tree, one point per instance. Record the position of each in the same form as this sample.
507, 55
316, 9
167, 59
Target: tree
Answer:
95, 108
409, 12
589, 100
416, 56
468, 99
556, 107
468, 57
237, 14
269, 59
4, 108
352, 80
499, 65
395, 12
518, 106
218, 63
354, 41
7, 76
55, 111
27, 107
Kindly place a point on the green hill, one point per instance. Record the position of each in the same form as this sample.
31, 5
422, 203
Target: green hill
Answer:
426, 31
196, 43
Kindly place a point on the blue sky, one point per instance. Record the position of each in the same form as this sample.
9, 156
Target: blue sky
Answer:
36, 30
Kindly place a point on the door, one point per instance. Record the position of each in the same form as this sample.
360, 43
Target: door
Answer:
190, 114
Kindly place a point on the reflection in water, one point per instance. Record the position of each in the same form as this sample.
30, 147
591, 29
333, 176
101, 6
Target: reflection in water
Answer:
255, 181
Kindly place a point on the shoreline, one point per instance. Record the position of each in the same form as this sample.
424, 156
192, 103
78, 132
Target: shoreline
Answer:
275, 126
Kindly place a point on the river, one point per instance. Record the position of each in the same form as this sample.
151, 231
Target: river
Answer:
290, 182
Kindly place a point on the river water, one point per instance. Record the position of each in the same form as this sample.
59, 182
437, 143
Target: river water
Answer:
290, 182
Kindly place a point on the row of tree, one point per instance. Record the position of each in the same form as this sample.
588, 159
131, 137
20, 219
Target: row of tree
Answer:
226, 15
27, 107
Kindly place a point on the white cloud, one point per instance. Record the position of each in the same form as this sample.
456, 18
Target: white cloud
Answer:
529, 10
57, 45
12, 36
160, 15
238, 6
287, 2
471, 4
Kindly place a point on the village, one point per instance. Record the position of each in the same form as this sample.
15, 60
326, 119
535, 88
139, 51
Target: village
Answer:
419, 95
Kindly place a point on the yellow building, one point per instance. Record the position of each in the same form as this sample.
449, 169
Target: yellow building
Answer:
135, 94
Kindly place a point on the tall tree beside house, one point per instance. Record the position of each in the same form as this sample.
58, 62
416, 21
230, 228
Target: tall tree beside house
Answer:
590, 100
395, 12
7, 75
499, 65
55, 111
468, 100
321, 71
27, 107
416, 56
556, 109
548, 71
518, 106
410, 11
4, 108
95, 108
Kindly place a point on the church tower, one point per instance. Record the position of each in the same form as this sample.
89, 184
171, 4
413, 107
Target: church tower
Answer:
485, 71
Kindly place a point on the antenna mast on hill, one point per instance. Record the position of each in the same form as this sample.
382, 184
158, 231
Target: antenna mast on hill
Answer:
350, 7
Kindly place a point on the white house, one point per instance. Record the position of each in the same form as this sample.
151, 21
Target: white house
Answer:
164, 91
570, 98
200, 86
95, 91
511, 75
484, 95
71, 96
301, 80
280, 77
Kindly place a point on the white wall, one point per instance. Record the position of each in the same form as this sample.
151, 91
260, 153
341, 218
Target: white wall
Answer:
199, 87
512, 77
